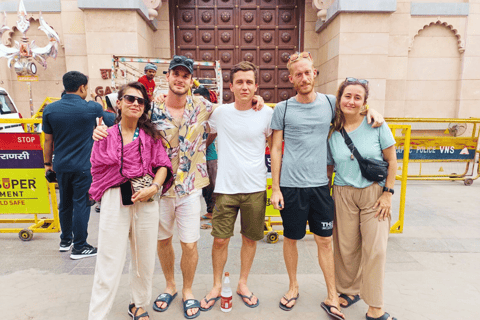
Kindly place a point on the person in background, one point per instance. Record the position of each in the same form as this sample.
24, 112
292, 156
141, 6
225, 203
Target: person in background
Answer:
98, 99
132, 149
110, 101
148, 79
68, 124
362, 207
207, 192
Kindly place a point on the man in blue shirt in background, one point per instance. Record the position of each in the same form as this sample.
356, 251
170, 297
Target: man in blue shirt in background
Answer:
68, 125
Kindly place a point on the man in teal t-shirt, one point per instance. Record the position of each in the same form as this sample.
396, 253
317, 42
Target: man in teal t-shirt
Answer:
211, 155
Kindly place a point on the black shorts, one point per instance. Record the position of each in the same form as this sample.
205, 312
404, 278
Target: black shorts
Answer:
314, 205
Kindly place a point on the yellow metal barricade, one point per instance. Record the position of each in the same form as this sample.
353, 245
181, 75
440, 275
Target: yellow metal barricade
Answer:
405, 135
441, 149
272, 216
23, 187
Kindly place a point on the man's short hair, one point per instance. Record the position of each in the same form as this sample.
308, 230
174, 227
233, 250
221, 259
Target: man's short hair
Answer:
243, 66
72, 80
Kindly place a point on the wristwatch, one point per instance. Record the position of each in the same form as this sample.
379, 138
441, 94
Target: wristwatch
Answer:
388, 190
47, 163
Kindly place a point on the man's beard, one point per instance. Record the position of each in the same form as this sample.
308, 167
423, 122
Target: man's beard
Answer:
304, 90
177, 92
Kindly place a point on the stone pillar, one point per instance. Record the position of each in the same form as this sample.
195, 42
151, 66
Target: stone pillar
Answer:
74, 37
397, 60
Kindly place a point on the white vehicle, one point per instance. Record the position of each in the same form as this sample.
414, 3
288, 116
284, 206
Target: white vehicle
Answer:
8, 110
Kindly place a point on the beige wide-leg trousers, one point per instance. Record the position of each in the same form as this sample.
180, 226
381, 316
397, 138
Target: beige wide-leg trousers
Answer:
119, 224
360, 243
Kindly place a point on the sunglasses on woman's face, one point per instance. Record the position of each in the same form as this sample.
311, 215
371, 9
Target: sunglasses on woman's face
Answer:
362, 81
131, 99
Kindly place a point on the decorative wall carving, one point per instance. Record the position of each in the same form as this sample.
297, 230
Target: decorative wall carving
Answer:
284, 76
206, 16
225, 16
267, 96
267, 16
461, 45
267, 37
267, 57
187, 16
286, 16
321, 6
226, 57
225, 36
248, 37
207, 56
248, 17
267, 76
207, 36
286, 37
188, 36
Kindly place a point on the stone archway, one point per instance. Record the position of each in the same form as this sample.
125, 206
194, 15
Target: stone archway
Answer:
434, 73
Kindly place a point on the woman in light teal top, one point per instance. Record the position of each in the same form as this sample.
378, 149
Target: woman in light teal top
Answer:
362, 207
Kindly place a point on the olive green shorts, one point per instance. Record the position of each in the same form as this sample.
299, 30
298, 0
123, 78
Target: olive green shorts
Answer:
252, 218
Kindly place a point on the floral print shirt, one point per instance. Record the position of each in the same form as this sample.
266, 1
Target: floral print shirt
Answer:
185, 143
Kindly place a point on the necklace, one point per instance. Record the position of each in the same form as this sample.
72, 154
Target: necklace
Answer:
352, 157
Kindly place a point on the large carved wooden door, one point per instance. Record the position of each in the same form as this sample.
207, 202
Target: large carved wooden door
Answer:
264, 32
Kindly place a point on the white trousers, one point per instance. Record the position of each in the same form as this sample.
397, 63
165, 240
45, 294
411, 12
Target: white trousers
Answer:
119, 224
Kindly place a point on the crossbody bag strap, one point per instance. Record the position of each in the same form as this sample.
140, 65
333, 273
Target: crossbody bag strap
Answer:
350, 145
331, 107
286, 105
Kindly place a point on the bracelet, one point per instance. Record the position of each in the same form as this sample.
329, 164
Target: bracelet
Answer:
47, 163
156, 185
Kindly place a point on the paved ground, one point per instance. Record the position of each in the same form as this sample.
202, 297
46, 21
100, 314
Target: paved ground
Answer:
432, 269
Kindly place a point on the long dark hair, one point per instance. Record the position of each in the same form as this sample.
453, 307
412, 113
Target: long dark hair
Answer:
339, 120
144, 122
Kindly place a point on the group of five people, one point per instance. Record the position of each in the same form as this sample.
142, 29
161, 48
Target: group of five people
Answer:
301, 175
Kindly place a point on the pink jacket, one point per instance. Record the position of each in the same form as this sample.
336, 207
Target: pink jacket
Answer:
106, 161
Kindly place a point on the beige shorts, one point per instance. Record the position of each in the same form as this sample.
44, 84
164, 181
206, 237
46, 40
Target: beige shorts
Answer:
185, 211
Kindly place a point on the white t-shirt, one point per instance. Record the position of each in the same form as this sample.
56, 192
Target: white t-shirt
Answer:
241, 148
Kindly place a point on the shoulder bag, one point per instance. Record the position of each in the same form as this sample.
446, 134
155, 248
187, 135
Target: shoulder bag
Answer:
372, 169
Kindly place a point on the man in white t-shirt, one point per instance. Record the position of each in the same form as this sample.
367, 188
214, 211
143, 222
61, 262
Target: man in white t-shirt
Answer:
241, 179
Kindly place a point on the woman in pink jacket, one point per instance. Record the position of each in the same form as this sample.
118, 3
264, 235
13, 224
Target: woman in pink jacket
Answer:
133, 149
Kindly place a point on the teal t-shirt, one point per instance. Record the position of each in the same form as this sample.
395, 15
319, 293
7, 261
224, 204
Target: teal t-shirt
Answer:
212, 152
305, 130
369, 142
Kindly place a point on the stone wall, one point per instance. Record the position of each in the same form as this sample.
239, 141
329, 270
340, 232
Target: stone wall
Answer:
421, 59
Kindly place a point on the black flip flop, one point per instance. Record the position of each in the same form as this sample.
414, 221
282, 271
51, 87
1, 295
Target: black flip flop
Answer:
207, 302
164, 297
191, 304
284, 306
384, 317
327, 308
134, 315
249, 298
350, 301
